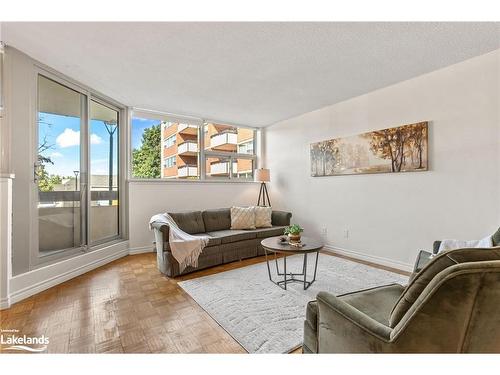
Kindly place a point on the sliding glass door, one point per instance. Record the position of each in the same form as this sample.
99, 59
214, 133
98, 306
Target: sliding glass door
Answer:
76, 171
104, 202
59, 168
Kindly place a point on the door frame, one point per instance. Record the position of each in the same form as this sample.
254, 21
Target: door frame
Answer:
35, 260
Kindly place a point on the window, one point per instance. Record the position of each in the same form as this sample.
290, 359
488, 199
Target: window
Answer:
167, 147
246, 147
229, 152
170, 141
146, 147
177, 159
170, 162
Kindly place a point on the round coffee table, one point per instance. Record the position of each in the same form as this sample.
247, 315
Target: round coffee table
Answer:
273, 245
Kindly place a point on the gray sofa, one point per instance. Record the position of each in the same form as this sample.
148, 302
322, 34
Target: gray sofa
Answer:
452, 305
225, 245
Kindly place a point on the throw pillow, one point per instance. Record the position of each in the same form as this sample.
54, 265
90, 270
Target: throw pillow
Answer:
447, 245
242, 218
263, 217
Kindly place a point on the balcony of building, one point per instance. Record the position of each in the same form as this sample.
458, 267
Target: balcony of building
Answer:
224, 141
187, 148
187, 171
187, 129
221, 168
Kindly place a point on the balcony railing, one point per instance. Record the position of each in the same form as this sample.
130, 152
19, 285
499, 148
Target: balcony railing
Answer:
221, 168
187, 129
187, 148
187, 171
59, 225
223, 139
74, 196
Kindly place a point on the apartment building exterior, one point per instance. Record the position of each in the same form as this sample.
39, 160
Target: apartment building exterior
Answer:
181, 151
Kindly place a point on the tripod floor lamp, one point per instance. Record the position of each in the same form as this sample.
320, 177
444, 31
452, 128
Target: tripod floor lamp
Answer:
262, 175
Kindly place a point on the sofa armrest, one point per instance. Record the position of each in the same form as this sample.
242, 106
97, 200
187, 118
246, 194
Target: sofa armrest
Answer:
161, 235
435, 247
164, 230
423, 258
344, 329
281, 218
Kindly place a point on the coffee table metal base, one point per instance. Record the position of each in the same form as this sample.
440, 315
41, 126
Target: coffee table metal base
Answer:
290, 276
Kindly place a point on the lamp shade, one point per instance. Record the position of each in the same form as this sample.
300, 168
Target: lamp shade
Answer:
262, 175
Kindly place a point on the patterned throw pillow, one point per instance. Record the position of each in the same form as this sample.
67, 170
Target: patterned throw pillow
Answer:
242, 218
263, 217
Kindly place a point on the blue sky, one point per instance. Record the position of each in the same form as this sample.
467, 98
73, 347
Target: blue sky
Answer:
138, 126
63, 133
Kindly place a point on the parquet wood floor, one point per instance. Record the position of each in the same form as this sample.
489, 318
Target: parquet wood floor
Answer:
126, 306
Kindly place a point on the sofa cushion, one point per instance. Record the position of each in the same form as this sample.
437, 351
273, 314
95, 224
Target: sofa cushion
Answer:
242, 218
495, 239
438, 264
263, 217
269, 232
233, 235
212, 241
281, 218
189, 222
217, 219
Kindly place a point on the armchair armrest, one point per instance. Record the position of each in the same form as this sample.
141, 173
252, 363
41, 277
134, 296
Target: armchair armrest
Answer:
281, 217
344, 329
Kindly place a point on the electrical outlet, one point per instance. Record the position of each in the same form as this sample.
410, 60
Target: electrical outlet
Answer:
346, 233
324, 232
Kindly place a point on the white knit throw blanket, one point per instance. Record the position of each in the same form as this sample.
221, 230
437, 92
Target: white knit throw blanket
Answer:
185, 247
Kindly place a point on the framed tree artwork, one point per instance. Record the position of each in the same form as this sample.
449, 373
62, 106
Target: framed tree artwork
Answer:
399, 149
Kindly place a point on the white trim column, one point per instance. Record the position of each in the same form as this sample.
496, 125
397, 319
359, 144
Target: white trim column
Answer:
5, 238
5, 192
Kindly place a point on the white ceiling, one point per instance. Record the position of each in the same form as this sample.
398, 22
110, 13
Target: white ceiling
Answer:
247, 73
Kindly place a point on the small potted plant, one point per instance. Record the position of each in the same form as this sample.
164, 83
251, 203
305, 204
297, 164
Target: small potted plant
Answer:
293, 232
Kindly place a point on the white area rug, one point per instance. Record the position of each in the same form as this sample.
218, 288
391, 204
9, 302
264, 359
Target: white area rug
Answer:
263, 317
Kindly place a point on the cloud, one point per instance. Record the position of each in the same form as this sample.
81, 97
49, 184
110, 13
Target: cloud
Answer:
56, 155
95, 139
70, 137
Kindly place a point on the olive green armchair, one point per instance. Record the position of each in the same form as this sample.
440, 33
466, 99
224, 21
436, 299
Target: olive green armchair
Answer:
452, 305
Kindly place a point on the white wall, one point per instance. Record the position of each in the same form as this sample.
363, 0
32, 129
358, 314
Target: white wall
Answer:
392, 216
149, 198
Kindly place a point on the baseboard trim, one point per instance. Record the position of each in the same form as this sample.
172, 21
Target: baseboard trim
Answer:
4, 303
406, 267
40, 286
141, 250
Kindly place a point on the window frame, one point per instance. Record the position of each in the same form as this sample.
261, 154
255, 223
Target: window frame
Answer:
173, 136
202, 154
165, 165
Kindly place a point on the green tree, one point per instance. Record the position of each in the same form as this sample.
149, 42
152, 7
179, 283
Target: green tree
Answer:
47, 182
146, 160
